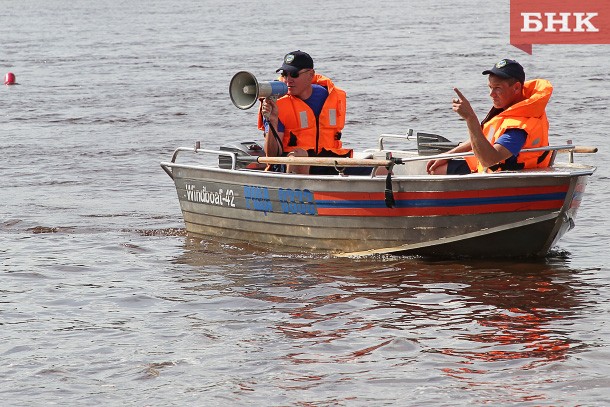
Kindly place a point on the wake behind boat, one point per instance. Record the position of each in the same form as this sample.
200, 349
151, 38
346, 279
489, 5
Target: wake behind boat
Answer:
227, 193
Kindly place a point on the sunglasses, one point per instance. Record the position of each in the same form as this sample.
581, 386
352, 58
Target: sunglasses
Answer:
293, 74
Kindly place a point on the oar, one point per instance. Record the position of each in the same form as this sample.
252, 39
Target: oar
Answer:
371, 162
428, 143
323, 161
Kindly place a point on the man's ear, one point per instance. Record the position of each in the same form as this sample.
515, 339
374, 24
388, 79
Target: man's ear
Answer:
518, 88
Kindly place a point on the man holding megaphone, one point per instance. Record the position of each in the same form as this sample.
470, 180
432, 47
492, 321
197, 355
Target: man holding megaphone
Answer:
308, 120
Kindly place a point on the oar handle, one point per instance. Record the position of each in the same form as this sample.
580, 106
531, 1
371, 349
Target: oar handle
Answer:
585, 149
579, 149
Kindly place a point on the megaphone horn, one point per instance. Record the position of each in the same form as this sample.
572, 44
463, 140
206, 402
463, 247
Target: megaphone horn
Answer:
245, 90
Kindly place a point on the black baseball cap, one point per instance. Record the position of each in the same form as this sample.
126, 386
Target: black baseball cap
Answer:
295, 61
507, 68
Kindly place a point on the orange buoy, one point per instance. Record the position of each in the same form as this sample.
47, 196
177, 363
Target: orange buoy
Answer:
9, 79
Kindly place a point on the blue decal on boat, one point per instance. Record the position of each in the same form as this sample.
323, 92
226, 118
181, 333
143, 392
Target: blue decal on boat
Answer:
296, 201
257, 199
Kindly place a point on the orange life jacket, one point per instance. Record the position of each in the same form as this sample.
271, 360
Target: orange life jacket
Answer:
529, 115
303, 130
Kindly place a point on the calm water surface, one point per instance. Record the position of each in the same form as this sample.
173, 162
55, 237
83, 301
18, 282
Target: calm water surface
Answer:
105, 301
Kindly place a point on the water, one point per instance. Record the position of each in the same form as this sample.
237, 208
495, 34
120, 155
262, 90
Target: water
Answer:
104, 300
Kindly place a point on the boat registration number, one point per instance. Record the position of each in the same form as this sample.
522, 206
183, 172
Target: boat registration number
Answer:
255, 198
292, 201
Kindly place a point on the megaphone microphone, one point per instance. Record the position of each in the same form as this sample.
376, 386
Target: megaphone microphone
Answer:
245, 90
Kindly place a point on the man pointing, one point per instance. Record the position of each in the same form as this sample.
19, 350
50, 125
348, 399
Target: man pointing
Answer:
517, 121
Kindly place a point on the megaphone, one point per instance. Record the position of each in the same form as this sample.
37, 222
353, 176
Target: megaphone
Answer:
245, 90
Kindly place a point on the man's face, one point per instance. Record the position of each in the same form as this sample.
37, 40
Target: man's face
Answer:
300, 86
502, 93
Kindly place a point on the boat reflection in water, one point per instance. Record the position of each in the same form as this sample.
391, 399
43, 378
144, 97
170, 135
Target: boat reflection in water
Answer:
395, 316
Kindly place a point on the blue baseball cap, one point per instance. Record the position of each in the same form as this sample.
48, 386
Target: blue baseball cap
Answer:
507, 68
295, 61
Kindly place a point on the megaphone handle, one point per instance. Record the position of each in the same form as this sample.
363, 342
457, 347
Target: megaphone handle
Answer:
274, 99
265, 115
272, 130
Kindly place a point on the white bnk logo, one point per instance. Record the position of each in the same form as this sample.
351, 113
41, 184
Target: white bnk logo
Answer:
533, 22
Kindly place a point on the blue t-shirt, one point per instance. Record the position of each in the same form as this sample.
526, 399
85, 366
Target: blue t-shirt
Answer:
513, 140
315, 102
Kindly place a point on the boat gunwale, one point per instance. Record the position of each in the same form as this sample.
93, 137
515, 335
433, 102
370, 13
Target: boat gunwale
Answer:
554, 171
393, 158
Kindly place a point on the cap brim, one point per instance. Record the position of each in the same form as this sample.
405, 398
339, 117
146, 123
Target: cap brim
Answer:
496, 72
288, 68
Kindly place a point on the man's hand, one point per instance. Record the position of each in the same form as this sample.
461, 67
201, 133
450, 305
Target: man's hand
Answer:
432, 165
462, 106
269, 109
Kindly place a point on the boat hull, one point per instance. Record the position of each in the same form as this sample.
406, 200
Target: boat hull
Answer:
520, 214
